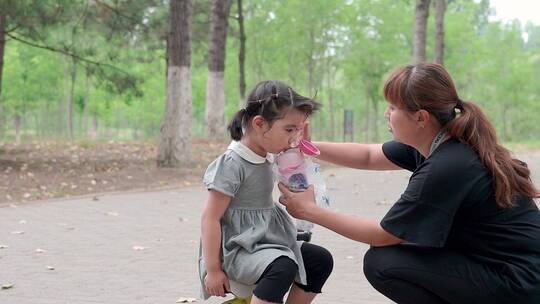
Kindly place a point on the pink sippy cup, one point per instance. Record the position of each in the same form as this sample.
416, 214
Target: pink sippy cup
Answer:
292, 169
292, 165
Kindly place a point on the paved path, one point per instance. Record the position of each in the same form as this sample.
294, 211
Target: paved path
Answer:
92, 244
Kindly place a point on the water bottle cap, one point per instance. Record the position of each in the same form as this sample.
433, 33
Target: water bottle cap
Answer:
308, 148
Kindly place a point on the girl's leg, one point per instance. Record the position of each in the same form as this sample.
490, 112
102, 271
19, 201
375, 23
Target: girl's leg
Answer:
319, 264
411, 274
275, 281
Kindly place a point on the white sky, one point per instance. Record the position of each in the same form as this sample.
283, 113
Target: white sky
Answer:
524, 10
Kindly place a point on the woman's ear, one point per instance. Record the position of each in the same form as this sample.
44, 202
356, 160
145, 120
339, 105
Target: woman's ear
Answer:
423, 118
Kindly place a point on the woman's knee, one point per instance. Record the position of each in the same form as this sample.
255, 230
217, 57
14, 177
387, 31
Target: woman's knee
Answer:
376, 260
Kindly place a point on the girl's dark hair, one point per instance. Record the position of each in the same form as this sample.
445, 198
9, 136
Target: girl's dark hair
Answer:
270, 99
429, 87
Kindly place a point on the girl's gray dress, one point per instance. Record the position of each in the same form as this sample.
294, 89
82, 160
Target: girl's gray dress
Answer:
254, 229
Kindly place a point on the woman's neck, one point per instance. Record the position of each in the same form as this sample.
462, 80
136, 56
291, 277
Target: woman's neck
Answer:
424, 144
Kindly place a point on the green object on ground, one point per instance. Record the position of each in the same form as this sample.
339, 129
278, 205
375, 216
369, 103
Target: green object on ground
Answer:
7, 286
237, 300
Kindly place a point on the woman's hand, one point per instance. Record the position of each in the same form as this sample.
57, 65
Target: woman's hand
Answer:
217, 283
298, 204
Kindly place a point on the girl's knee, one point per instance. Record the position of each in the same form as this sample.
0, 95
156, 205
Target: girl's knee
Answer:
326, 262
317, 259
283, 268
276, 280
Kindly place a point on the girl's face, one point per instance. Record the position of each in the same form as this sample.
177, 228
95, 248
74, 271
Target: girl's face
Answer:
402, 124
282, 133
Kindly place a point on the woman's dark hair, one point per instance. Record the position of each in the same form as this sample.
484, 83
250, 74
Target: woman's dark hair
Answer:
270, 99
429, 87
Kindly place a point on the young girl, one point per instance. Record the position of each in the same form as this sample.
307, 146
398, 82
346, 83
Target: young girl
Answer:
246, 237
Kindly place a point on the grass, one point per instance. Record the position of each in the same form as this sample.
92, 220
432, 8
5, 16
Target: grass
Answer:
523, 146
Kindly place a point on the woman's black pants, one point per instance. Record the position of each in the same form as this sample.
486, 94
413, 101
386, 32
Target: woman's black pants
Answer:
412, 274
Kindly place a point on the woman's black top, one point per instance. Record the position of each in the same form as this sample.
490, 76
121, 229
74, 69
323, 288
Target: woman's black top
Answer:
450, 202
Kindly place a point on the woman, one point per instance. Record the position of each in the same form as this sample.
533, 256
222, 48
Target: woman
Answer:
466, 229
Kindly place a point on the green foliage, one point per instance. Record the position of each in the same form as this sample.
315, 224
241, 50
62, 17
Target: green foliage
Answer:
338, 50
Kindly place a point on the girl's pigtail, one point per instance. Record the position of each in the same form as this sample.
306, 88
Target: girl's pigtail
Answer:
235, 126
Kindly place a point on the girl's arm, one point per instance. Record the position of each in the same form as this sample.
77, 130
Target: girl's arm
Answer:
353, 155
302, 205
216, 282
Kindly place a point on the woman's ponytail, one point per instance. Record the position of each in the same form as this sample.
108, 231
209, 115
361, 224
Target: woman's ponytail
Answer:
511, 176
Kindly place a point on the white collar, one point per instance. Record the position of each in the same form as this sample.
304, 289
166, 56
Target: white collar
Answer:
247, 154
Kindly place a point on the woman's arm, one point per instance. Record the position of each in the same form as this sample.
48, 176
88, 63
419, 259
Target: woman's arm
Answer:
215, 207
353, 155
302, 205
363, 230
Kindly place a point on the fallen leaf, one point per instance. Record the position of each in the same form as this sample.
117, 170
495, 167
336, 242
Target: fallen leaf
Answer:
7, 286
186, 300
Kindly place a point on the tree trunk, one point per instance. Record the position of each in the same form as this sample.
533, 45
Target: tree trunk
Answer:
215, 89
242, 56
311, 63
17, 125
175, 135
367, 120
419, 47
71, 97
375, 119
331, 105
86, 103
94, 132
2, 48
440, 8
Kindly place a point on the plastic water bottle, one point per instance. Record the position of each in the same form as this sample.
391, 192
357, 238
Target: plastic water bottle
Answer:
297, 171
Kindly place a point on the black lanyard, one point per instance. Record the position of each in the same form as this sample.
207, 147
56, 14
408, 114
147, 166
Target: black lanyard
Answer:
437, 141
